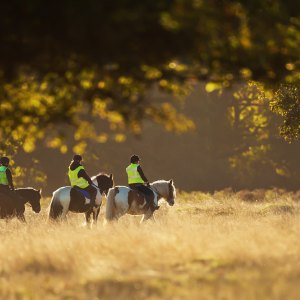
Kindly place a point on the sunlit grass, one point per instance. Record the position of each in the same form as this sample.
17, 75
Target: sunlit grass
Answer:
208, 246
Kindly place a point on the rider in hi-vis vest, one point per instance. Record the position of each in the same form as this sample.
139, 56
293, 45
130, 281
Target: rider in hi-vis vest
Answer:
137, 180
6, 181
80, 179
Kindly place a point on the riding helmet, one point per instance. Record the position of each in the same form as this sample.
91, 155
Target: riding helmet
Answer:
134, 158
77, 157
4, 160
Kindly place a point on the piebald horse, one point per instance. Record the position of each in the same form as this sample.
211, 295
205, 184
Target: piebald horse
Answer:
122, 200
67, 199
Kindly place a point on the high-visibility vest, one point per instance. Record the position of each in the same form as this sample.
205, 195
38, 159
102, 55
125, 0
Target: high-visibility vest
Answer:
3, 177
133, 174
75, 180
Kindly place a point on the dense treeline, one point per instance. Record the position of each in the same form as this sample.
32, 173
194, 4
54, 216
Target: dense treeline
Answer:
66, 62
56, 54
235, 144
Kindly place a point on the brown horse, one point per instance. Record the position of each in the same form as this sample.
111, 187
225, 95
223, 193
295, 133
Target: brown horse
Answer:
12, 204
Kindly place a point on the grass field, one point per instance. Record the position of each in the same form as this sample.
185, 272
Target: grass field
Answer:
224, 245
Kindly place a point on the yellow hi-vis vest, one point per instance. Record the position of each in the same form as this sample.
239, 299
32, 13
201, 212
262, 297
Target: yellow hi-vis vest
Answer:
75, 180
133, 174
3, 177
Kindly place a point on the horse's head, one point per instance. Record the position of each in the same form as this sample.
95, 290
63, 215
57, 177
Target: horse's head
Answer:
30, 195
105, 182
172, 193
165, 189
35, 199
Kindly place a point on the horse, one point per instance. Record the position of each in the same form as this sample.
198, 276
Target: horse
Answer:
13, 204
122, 200
67, 199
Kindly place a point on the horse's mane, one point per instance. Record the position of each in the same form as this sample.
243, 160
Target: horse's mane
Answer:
101, 174
159, 181
105, 179
27, 188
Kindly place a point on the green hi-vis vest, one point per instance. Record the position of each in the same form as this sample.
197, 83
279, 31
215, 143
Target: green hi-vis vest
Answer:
75, 180
3, 177
133, 174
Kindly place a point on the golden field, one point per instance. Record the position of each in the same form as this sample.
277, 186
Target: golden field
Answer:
224, 245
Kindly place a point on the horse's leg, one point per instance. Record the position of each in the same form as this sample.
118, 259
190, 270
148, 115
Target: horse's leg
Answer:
88, 218
148, 215
152, 218
96, 214
21, 217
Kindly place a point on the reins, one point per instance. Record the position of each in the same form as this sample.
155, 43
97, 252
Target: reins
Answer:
155, 190
97, 187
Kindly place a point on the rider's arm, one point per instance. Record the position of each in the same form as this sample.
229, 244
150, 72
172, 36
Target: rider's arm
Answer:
9, 178
139, 169
83, 174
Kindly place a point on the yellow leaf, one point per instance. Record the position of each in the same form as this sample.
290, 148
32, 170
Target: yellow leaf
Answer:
28, 145
80, 147
119, 138
212, 86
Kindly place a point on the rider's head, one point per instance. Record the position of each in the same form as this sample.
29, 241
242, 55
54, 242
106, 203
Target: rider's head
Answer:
77, 158
134, 159
4, 161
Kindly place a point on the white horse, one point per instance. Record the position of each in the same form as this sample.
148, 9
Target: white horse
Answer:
123, 200
71, 199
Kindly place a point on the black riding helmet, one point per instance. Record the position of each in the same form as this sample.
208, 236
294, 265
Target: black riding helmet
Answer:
77, 157
4, 160
134, 159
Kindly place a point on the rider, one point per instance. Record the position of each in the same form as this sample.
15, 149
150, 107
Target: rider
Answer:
6, 180
79, 178
137, 180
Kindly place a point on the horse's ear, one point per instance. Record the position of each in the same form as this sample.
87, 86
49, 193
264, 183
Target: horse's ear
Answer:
171, 181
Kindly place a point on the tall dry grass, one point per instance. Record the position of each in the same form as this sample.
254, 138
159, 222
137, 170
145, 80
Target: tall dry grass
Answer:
220, 246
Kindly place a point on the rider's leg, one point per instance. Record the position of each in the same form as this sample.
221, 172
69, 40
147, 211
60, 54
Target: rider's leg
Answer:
93, 193
149, 196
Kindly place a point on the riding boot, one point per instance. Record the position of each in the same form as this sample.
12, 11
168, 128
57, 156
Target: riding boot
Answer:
93, 194
153, 205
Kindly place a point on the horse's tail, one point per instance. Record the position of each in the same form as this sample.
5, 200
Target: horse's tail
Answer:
56, 208
110, 204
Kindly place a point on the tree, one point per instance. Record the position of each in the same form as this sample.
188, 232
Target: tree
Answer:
287, 104
63, 60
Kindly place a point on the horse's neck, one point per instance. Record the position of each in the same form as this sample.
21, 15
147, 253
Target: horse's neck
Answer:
22, 193
160, 188
95, 181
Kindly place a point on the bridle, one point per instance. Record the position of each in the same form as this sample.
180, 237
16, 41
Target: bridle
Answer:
101, 190
98, 188
171, 195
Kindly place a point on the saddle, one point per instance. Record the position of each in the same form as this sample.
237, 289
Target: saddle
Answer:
80, 195
138, 196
